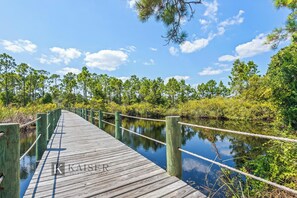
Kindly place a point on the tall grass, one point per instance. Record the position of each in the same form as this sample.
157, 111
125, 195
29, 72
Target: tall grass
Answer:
23, 114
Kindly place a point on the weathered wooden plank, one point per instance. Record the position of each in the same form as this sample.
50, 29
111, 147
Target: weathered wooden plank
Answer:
76, 141
149, 188
136, 185
196, 194
182, 192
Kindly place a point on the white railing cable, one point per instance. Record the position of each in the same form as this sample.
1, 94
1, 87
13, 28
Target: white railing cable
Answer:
28, 123
240, 133
141, 118
30, 147
241, 172
108, 122
144, 136
48, 125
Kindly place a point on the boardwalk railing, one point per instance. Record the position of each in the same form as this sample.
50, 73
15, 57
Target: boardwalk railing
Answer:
10, 149
173, 141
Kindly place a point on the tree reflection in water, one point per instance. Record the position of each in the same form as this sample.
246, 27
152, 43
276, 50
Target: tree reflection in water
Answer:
230, 149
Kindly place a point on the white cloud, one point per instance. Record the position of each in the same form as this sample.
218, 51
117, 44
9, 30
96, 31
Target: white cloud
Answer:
178, 78
235, 20
131, 3
154, 49
226, 152
189, 47
108, 60
203, 22
209, 71
228, 58
129, 49
223, 65
173, 51
124, 78
191, 164
238, 19
211, 9
249, 49
60, 55
19, 46
66, 70
183, 20
150, 62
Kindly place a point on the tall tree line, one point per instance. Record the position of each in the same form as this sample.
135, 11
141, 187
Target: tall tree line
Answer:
21, 84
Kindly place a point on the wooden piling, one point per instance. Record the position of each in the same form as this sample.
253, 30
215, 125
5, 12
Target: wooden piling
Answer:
173, 142
100, 118
41, 129
48, 126
92, 116
10, 160
118, 125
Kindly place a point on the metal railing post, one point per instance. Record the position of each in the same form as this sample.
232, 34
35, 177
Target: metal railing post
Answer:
10, 160
173, 143
118, 125
41, 129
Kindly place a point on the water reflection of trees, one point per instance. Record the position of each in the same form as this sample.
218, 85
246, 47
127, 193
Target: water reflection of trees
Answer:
28, 162
151, 129
242, 148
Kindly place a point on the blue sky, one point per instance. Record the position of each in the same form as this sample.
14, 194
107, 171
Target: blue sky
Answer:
60, 36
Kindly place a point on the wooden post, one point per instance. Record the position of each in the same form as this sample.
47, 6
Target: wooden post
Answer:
118, 125
54, 118
173, 142
92, 116
41, 129
51, 128
85, 114
88, 115
48, 125
100, 117
10, 160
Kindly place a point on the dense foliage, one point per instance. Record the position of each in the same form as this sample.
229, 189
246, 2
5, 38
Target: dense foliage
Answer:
283, 79
244, 100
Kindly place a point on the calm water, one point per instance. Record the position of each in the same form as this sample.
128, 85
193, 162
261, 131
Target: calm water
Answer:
229, 149
232, 150
28, 162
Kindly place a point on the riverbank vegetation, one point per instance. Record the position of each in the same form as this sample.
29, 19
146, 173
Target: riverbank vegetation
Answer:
247, 98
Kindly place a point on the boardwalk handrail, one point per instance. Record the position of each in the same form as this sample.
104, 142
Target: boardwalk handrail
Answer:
240, 132
160, 142
29, 123
107, 113
10, 159
175, 145
141, 118
108, 123
30, 147
240, 172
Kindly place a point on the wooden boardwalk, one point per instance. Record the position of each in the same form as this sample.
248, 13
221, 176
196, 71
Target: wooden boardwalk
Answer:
97, 165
